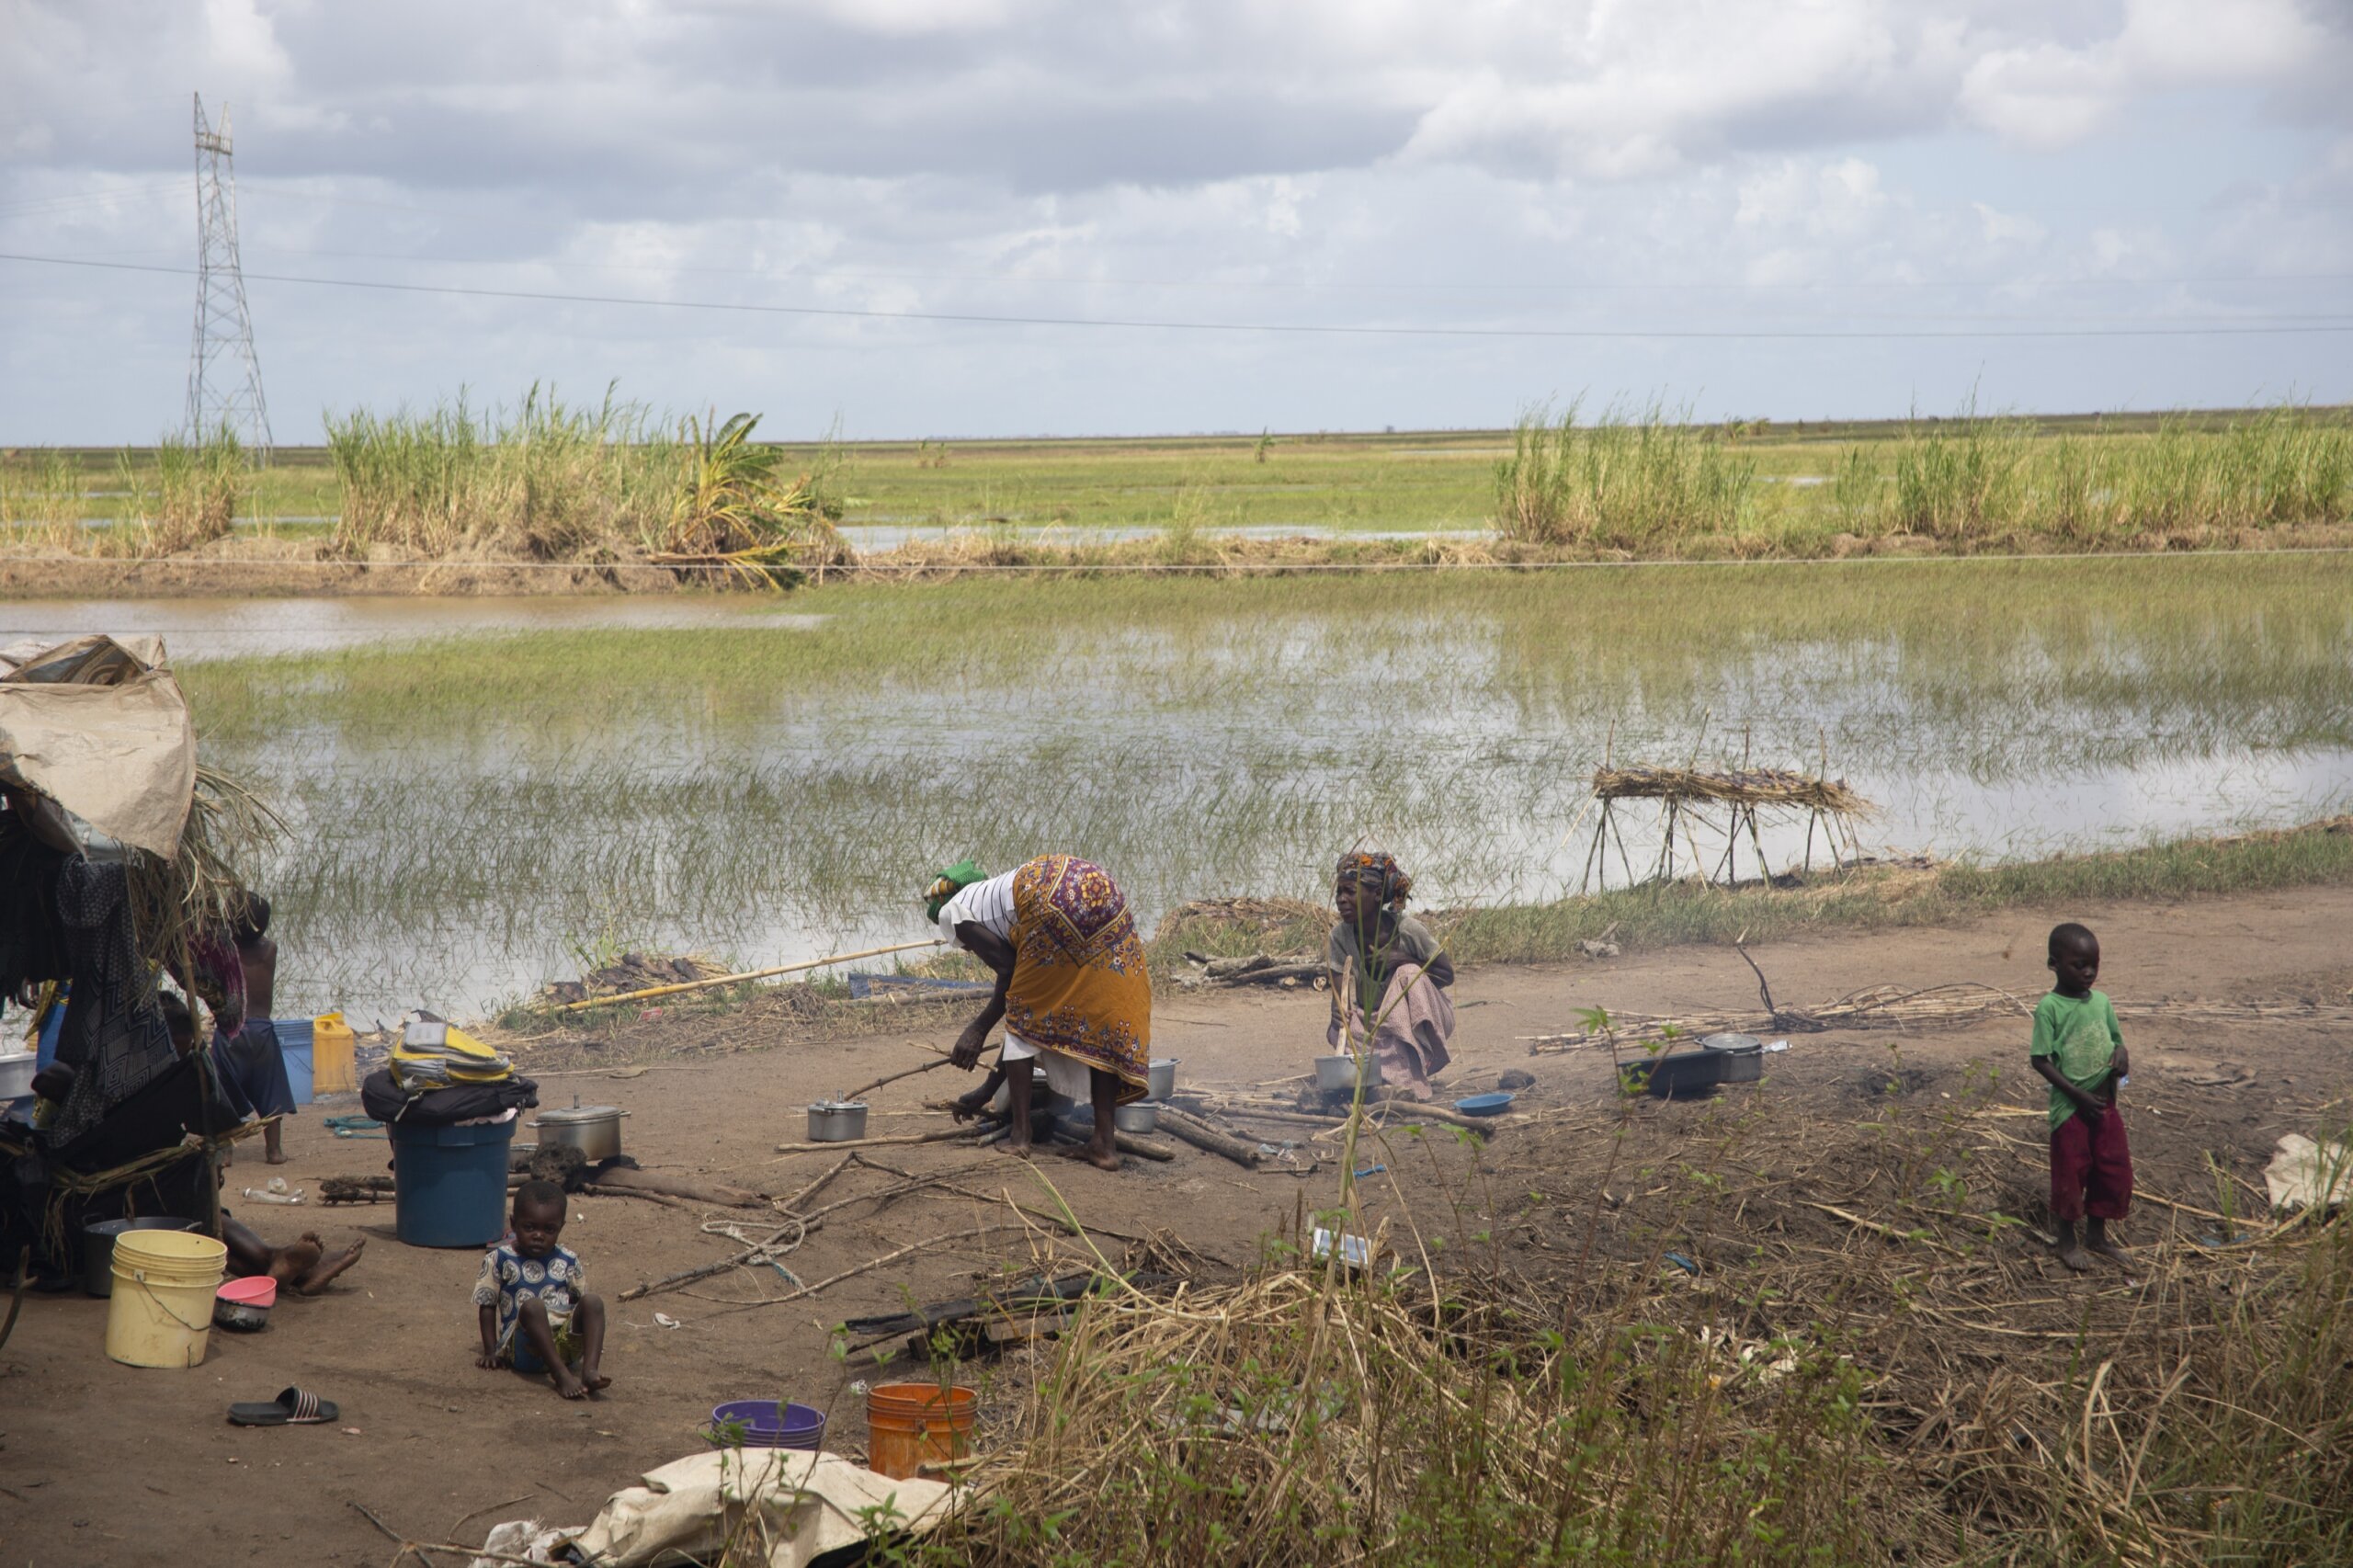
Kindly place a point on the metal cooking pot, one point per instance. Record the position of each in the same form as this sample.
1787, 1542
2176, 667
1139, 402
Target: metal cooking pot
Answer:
1338, 1074
98, 1247
593, 1130
1139, 1116
1160, 1077
836, 1121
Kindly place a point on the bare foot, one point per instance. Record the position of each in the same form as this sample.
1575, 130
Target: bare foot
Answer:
567, 1383
2112, 1252
328, 1267
277, 1159
592, 1379
2075, 1257
1101, 1159
1017, 1146
296, 1259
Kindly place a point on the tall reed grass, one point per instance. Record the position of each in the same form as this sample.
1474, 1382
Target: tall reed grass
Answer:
41, 496
544, 479
1628, 481
1991, 481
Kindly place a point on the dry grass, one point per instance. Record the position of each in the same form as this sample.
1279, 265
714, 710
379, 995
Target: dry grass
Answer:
1756, 1333
1747, 786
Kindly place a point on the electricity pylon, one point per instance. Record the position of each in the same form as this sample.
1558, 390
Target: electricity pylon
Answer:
223, 377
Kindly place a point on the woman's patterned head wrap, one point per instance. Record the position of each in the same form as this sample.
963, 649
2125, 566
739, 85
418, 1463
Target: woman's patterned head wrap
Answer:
1381, 872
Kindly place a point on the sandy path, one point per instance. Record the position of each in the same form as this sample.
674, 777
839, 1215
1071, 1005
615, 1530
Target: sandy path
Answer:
102, 1464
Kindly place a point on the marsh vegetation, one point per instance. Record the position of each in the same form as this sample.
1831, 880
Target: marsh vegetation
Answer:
468, 810
542, 479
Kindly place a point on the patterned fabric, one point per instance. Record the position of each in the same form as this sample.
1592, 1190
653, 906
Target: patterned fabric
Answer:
1079, 982
252, 1068
508, 1280
1409, 1029
1389, 881
114, 1036
217, 974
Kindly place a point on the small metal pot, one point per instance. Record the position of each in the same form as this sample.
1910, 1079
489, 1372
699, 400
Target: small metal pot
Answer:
836, 1121
1338, 1074
1160, 1078
593, 1130
98, 1247
1138, 1116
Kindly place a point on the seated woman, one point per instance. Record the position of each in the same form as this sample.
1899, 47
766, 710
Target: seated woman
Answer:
1070, 985
1389, 976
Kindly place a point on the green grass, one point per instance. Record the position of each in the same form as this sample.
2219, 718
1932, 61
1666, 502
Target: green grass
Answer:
543, 478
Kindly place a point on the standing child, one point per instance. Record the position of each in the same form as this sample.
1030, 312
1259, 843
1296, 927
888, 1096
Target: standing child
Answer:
536, 1313
2080, 1051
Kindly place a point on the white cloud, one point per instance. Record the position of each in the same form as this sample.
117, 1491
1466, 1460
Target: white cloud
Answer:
2051, 93
1717, 164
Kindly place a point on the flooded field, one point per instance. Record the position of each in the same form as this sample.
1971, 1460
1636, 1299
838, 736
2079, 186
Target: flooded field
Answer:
483, 792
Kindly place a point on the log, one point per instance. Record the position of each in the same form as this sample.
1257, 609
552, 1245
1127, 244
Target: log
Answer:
675, 1186
944, 1135
1201, 1135
1128, 1144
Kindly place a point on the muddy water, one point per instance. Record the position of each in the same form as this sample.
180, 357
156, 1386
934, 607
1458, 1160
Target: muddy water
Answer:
461, 863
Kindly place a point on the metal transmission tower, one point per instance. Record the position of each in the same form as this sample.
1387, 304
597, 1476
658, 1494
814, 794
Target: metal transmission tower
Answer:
223, 377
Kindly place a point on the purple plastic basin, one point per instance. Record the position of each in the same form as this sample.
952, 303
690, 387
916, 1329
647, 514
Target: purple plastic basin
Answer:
798, 1427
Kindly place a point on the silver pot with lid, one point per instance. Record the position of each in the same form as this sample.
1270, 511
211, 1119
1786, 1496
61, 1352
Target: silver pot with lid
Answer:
593, 1130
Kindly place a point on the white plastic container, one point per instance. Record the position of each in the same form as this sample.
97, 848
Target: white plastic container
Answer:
17, 1073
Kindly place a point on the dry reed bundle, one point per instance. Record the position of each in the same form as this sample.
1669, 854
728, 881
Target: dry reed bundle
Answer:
200, 888
1744, 787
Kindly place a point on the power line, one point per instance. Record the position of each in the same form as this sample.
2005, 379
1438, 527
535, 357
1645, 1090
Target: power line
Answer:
1154, 324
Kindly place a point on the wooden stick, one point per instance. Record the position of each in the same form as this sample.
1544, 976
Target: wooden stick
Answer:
797, 1199
872, 1264
942, 1136
1201, 1135
863, 1089
748, 974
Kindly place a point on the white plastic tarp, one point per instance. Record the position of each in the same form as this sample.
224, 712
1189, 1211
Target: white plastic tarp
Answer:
98, 725
797, 1505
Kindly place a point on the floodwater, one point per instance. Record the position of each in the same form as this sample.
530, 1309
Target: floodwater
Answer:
763, 810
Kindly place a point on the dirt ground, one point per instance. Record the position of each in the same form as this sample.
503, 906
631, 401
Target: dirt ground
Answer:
103, 1464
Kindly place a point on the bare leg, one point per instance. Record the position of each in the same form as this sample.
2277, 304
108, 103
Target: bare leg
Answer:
2071, 1251
273, 1142
1100, 1152
1018, 1085
2098, 1240
533, 1325
591, 1318
249, 1254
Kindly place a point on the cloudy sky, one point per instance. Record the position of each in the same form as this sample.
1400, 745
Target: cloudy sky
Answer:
1333, 215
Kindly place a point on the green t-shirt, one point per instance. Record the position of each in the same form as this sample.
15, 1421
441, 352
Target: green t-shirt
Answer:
2083, 1036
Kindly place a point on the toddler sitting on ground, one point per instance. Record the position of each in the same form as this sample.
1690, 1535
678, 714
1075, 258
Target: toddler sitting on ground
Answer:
536, 1313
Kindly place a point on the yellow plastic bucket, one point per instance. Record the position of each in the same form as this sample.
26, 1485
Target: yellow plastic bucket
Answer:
161, 1313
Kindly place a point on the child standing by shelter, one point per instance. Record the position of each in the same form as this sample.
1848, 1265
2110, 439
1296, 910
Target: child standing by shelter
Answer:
536, 1313
2079, 1050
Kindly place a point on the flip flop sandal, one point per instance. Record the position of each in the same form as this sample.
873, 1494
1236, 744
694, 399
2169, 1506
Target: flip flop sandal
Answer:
291, 1408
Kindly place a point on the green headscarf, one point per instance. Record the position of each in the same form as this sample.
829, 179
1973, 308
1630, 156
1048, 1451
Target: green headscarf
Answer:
948, 884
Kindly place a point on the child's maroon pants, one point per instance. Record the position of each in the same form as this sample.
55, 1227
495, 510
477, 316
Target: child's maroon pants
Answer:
2091, 1167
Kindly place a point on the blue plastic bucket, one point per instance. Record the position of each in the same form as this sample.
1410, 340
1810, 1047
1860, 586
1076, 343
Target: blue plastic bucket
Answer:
449, 1184
294, 1039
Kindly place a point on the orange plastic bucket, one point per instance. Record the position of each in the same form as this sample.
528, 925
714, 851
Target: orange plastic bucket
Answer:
911, 1425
